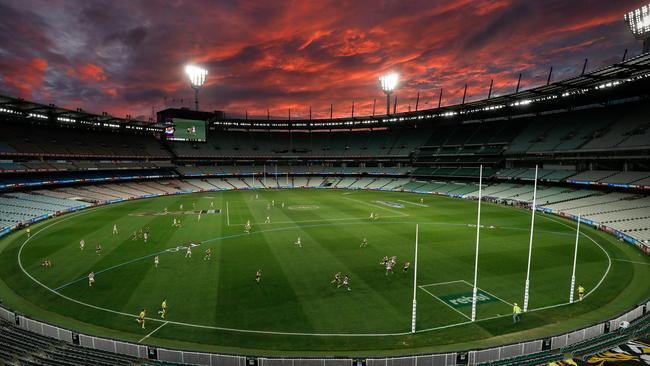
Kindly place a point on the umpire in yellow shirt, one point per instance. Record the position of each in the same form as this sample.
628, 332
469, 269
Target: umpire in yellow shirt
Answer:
516, 313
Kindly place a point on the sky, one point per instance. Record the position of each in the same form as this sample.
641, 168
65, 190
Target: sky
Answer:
127, 57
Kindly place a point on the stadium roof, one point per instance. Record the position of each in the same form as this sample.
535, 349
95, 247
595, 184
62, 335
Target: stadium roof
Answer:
592, 87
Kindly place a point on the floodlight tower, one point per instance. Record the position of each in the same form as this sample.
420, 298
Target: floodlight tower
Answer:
197, 77
639, 22
388, 84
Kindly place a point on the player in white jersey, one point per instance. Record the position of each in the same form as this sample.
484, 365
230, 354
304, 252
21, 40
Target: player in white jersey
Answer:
91, 279
181, 206
174, 223
247, 227
211, 203
82, 244
156, 261
145, 236
268, 220
282, 204
346, 282
389, 267
114, 229
372, 216
188, 252
364, 243
298, 242
258, 276
273, 203
198, 218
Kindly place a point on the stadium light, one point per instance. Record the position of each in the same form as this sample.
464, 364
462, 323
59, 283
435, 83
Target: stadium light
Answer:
388, 84
197, 76
639, 22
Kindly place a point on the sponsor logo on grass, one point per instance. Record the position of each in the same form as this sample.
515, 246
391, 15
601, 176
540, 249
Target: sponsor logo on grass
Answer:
175, 213
465, 299
390, 204
303, 207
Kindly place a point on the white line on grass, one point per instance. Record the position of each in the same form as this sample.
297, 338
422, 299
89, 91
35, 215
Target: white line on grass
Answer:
382, 207
609, 259
154, 331
439, 299
316, 220
441, 283
628, 261
489, 293
250, 331
414, 203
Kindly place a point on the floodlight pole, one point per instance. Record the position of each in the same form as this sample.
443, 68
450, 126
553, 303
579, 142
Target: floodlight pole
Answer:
388, 103
530, 244
196, 98
478, 230
575, 258
415, 278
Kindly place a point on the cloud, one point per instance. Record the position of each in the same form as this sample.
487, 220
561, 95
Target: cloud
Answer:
127, 57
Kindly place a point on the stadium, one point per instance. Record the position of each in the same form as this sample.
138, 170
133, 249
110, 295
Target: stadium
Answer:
512, 229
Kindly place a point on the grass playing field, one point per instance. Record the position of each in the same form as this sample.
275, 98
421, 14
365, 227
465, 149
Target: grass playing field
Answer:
217, 305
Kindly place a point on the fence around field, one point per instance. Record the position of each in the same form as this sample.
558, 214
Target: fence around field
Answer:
439, 359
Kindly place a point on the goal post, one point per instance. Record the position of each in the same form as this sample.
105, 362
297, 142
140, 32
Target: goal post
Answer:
415, 278
575, 258
478, 230
530, 243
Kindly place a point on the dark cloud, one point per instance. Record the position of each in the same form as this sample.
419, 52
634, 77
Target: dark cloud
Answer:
126, 56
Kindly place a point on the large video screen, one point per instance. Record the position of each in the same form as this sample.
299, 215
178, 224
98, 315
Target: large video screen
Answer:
179, 129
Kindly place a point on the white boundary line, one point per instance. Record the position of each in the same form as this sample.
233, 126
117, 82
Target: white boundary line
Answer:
451, 307
73, 215
609, 259
154, 331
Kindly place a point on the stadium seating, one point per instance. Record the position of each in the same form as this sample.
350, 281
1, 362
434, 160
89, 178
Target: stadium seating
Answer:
21, 347
53, 142
330, 144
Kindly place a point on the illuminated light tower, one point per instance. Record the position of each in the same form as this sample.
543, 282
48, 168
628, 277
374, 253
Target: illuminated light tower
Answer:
197, 77
388, 84
639, 22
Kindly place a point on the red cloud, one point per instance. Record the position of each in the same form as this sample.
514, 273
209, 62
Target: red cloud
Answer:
28, 77
88, 72
279, 55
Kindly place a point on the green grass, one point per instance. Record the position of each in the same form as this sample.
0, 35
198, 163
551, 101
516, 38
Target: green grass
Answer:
295, 295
